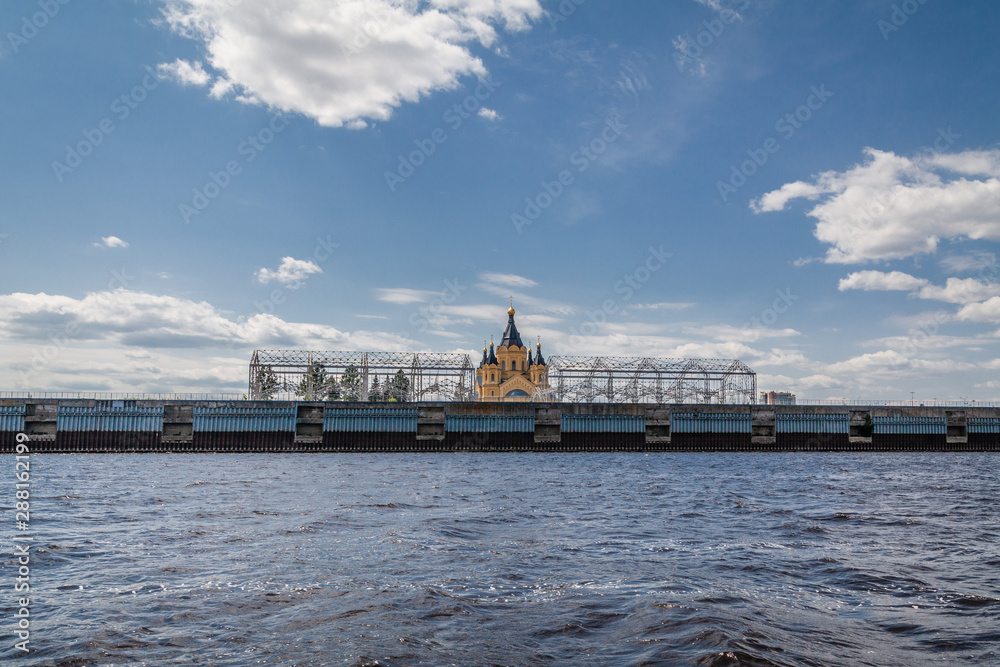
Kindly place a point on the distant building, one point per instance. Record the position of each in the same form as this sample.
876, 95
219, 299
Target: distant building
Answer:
510, 373
777, 398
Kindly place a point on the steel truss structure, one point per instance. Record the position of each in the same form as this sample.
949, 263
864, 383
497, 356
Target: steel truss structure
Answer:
431, 376
645, 380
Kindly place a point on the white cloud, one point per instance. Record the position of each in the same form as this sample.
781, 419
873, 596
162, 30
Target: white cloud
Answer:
184, 73
973, 261
818, 381
960, 290
746, 334
892, 207
507, 279
489, 114
877, 280
663, 305
291, 273
955, 290
143, 320
870, 363
403, 295
987, 311
112, 242
891, 362
343, 62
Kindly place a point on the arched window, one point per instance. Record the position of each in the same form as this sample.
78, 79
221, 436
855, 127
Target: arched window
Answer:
492, 377
503, 365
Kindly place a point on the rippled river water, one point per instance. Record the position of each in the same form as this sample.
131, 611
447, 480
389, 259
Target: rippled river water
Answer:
512, 559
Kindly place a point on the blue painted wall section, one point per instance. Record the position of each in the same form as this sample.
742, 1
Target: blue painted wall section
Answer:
233, 428
820, 432
369, 428
711, 431
607, 432
899, 432
106, 426
489, 432
984, 432
11, 423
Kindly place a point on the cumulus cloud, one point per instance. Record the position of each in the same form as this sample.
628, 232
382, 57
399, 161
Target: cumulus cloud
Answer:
987, 311
877, 280
960, 290
112, 242
291, 273
341, 63
184, 73
892, 207
955, 290
489, 114
143, 320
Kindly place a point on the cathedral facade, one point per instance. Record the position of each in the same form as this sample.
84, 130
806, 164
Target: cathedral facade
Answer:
509, 372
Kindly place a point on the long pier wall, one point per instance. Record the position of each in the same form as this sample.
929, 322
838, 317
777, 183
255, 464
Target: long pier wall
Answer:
80, 425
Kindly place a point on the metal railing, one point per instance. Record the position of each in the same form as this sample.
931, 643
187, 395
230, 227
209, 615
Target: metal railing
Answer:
908, 403
142, 396
122, 395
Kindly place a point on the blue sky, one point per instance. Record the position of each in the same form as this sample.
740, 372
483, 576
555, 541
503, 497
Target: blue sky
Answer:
813, 188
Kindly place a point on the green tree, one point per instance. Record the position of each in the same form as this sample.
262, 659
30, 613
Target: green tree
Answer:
375, 393
333, 392
314, 384
399, 387
267, 384
350, 383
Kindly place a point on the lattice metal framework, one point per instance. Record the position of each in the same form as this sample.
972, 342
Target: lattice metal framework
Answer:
645, 380
432, 376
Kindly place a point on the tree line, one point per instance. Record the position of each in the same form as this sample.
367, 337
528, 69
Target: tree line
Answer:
317, 385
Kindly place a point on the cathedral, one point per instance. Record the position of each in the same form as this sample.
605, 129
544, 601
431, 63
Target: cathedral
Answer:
510, 373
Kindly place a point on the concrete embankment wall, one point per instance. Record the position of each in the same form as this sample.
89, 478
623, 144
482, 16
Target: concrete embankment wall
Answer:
81, 425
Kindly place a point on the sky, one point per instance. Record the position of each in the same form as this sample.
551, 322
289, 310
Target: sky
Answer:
812, 188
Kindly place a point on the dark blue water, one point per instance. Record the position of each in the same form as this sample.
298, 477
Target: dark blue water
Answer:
512, 559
